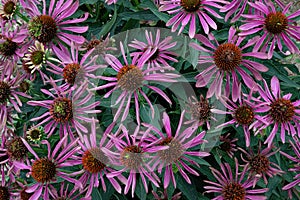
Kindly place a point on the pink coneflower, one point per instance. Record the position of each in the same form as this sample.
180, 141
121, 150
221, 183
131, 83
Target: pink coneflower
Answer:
281, 111
235, 8
228, 145
187, 11
244, 113
12, 45
94, 161
6, 163
130, 153
51, 25
8, 8
228, 59
259, 164
233, 186
47, 169
5, 189
164, 195
109, 2
162, 53
296, 147
178, 153
66, 193
276, 26
74, 71
66, 109
131, 80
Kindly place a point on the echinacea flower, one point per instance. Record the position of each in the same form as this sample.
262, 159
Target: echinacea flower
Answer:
235, 8
66, 193
296, 159
277, 26
228, 60
52, 24
279, 111
8, 8
74, 71
259, 164
188, 11
177, 156
129, 153
243, 113
109, 2
5, 188
132, 80
164, 195
162, 53
66, 109
228, 145
95, 163
35, 134
45, 170
233, 186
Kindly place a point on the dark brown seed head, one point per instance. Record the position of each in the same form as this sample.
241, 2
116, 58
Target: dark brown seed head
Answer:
173, 153
4, 193
62, 110
16, 149
233, 191
282, 110
190, 5
4, 92
130, 77
132, 157
227, 57
71, 72
244, 115
259, 164
94, 160
276, 22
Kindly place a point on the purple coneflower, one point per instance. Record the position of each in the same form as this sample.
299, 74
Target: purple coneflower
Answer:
296, 147
51, 25
65, 193
164, 195
73, 69
94, 161
231, 186
243, 113
5, 188
281, 111
276, 26
235, 8
162, 53
47, 169
66, 109
130, 153
8, 8
187, 11
228, 59
228, 145
177, 153
259, 164
109, 2
131, 80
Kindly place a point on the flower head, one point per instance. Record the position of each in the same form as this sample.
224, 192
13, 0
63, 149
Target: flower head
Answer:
8, 8
228, 144
276, 25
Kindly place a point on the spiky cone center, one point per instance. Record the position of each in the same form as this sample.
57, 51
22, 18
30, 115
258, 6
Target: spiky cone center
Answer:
71, 72
25, 195
94, 160
227, 57
37, 57
8, 48
200, 110
173, 153
233, 191
155, 55
226, 145
282, 110
244, 115
9, 7
4, 92
62, 110
16, 149
4, 193
130, 77
43, 28
34, 134
43, 170
132, 157
276, 22
95, 43
259, 164
24, 86
190, 5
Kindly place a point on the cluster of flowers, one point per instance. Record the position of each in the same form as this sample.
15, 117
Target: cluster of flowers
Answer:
35, 35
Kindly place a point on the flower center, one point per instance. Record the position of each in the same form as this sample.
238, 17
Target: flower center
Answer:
130, 77
43, 170
244, 115
259, 164
233, 191
173, 153
16, 149
24, 195
4, 193
94, 43
9, 7
226, 145
24, 86
37, 57
131, 157
26, 67
276, 22
93, 160
62, 110
8, 48
282, 110
35, 134
43, 28
70, 73
4, 92
190, 5
227, 57
200, 110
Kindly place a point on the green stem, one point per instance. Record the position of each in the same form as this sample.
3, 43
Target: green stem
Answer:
22, 16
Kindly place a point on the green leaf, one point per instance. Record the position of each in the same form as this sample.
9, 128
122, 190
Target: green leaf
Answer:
81, 2
149, 4
96, 194
189, 190
108, 26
